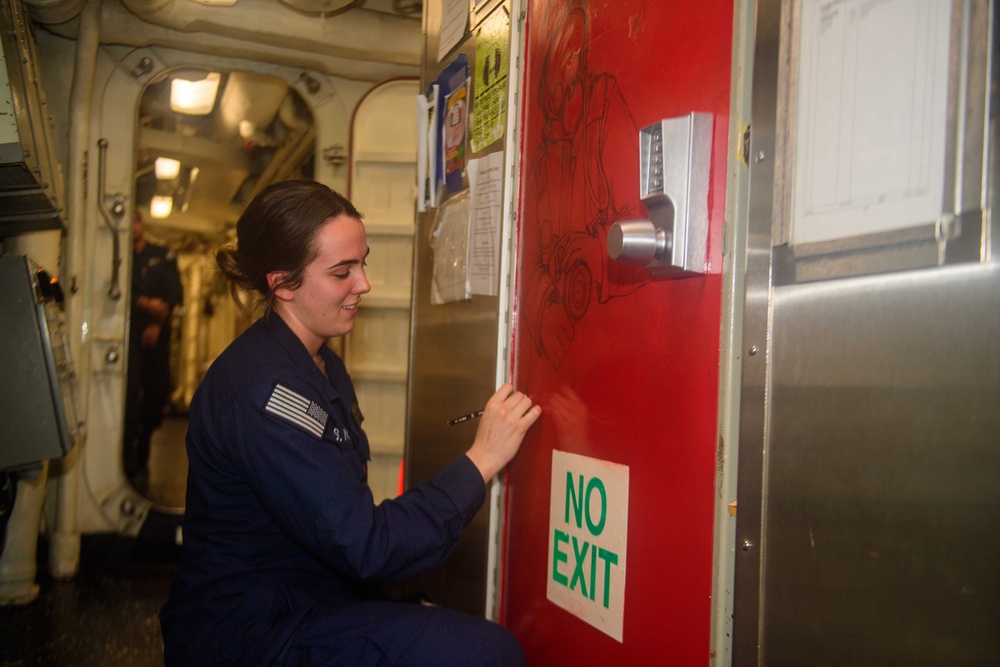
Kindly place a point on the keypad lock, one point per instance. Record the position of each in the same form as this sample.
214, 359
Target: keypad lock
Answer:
674, 159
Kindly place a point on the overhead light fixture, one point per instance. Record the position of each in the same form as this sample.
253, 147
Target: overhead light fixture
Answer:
194, 97
167, 169
160, 206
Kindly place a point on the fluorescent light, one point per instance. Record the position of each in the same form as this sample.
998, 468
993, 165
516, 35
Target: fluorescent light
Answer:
195, 98
167, 169
160, 206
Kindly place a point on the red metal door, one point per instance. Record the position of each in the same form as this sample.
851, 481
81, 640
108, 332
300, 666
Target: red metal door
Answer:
625, 364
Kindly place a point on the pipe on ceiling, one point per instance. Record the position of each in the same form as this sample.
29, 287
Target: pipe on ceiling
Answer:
319, 6
118, 26
53, 11
358, 44
361, 34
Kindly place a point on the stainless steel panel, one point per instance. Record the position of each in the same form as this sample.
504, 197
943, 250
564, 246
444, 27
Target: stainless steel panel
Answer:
883, 471
453, 363
452, 366
760, 211
869, 472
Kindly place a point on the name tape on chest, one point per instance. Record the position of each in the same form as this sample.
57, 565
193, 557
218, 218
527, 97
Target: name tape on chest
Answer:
297, 410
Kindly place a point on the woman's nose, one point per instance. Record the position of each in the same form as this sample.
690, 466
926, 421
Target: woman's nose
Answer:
363, 286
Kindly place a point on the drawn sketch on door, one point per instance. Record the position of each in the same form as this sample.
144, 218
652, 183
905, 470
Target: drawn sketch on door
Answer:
571, 195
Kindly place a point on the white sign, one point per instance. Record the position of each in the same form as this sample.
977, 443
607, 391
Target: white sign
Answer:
872, 117
485, 184
454, 19
588, 534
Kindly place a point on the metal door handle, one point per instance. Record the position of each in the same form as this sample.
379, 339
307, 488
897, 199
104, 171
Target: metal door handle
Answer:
637, 242
674, 160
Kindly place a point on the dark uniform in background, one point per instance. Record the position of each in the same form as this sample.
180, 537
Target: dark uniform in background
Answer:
155, 278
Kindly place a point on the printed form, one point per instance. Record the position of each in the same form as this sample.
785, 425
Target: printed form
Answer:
871, 117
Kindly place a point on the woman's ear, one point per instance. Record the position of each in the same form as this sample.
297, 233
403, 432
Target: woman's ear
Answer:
274, 280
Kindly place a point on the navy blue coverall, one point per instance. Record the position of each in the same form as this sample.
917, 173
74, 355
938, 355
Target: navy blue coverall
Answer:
280, 527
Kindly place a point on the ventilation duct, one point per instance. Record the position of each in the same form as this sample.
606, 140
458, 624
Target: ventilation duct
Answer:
31, 182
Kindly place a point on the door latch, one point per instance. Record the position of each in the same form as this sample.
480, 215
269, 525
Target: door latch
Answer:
674, 159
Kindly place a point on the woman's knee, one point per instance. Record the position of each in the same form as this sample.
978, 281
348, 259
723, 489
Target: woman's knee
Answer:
477, 641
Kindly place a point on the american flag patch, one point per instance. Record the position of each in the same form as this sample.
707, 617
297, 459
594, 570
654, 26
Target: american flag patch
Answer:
298, 410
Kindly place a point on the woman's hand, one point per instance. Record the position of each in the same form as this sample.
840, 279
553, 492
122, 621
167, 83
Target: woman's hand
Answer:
507, 417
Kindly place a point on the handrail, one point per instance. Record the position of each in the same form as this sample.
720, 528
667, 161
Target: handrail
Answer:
116, 291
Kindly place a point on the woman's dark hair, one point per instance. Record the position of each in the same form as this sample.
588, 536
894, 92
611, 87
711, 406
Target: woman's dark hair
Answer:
277, 232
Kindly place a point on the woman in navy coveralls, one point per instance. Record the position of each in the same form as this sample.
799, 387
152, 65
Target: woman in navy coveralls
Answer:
280, 526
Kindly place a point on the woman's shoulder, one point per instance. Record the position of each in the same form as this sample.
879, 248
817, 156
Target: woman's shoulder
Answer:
250, 349
249, 360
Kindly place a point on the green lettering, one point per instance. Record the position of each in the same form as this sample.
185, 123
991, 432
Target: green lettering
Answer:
609, 558
574, 498
581, 557
593, 571
559, 557
596, 483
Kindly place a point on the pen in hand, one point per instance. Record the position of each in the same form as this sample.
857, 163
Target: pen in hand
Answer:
463, 418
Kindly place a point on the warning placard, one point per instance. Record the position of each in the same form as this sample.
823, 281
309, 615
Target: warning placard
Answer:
588, 531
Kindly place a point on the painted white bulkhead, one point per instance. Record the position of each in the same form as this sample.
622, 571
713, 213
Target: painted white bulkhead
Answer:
383, 177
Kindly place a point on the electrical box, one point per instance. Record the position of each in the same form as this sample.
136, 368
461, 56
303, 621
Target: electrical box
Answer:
34, 368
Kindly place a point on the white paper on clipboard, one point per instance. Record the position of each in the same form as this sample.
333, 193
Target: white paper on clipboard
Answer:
454, 19
871, 117
485, 184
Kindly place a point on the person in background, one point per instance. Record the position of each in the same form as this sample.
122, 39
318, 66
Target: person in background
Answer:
281, 532
156, 289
